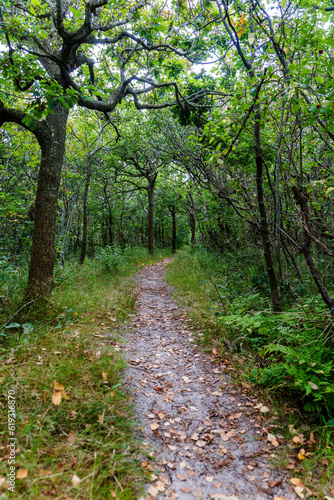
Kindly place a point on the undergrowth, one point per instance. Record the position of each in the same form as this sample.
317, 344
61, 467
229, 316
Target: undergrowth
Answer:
84, 447
287, 357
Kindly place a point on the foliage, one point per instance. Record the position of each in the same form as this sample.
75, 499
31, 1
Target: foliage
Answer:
292, 352
91, 434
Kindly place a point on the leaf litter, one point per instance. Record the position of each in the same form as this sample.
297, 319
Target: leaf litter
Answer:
202, 438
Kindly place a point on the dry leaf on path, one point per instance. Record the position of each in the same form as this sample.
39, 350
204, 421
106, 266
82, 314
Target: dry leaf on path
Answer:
272, 439
181, 477
186, 489
198, 494
274, 483
153, 491
296, 481
154, 426
221, 496
234, 416
299, 490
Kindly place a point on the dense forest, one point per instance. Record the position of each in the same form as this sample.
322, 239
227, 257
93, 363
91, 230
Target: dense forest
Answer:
132, 131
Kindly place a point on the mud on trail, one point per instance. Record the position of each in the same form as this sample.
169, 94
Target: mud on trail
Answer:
209, 440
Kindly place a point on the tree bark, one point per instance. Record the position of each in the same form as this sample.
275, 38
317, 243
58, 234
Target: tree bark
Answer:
301, 200
275, 299
150, 217
192, 219
172, 211
85, 212
40, 280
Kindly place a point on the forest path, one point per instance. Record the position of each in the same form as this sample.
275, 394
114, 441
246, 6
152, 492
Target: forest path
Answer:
209, 440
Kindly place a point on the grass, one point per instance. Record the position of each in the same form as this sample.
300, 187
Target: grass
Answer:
227, 301
86, 446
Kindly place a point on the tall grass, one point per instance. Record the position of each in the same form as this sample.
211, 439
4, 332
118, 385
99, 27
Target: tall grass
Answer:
85, 447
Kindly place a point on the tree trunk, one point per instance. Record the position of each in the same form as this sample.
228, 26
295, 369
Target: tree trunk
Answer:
85, 212
192, 219
40, 281
301, 200
150, 218
172, 211
263, 216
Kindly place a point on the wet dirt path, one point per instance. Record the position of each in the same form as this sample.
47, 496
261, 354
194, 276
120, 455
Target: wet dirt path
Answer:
209, 440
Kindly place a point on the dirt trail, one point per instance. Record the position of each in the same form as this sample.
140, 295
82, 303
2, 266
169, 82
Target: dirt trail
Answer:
209, 440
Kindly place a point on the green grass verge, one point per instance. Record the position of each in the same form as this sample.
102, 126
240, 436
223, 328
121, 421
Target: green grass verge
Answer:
86, 446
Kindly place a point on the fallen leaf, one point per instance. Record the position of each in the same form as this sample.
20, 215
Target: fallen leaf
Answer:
22, 474
185, 489
301, 454
75, 480
207, 422
209, 479
58, 394
324, 461
183, 437
274, 483
296, 481
272, 439
181, 477
218, 485
56, 398
313, 385
153, 491
299, 490
221, 496
2, 480
200, 443
105, 377
298, 439
198, 494
264, 409
154, 426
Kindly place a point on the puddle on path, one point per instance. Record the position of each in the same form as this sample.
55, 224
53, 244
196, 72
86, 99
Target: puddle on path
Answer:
209, 440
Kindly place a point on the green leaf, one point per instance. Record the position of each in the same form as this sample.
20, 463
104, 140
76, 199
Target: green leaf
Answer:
13, 325
325, 110
253, 91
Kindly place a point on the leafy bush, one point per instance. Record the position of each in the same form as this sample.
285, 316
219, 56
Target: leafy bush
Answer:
294, 353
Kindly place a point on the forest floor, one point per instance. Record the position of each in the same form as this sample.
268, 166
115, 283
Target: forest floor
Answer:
203, 437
